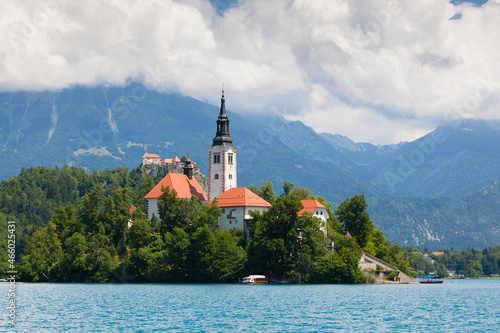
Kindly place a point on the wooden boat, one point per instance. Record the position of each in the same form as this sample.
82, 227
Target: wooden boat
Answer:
254, 279
431, 279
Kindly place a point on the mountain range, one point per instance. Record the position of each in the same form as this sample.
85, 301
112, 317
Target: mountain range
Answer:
438, 191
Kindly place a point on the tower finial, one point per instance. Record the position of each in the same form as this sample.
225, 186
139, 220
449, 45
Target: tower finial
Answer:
222, 105
222, 135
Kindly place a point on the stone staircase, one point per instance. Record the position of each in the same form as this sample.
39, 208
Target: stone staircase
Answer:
369, 262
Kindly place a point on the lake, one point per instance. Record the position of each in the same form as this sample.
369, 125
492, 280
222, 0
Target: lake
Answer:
454, 306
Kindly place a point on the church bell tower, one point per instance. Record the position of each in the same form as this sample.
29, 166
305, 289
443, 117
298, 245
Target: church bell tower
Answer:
221, 157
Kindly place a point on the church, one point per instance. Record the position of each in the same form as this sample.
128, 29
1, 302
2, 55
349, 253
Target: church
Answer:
236, 202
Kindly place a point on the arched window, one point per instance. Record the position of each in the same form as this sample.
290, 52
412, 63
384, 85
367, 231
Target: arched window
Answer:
230, 176
216, 176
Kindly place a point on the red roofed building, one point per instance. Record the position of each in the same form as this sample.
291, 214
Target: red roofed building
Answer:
174, 160
316, 209
237, 203
185, 185
150, 159
131, 211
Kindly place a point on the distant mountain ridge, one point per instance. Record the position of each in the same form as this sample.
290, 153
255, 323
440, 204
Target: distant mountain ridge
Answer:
104, 127
441, 223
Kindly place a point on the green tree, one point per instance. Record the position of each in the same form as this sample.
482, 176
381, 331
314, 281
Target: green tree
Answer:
175, 255
340, 266
177, 212
67, 222
266, 191
121, 214
301, 192
275, 237
72, 265
145, 185
146, 263
440, 269
287, 188
139, 234
201, 255
207, 214
229, 258
42, 254
351, 213
100, 262
92, 208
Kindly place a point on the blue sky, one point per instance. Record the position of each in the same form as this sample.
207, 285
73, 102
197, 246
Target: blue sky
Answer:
477, 2
380, 71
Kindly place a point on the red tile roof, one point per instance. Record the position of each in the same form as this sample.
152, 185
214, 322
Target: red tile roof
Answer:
167, 161
176, 160
310, 206
184, 186
437, 253
132, 209
241, 196
151, 156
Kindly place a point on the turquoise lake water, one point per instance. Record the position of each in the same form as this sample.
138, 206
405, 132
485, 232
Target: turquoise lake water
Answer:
454, 306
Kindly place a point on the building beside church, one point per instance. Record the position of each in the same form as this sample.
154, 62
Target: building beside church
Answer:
316, 209
237, 203
184, 184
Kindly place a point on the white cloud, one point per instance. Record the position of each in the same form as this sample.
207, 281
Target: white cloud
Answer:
378, 71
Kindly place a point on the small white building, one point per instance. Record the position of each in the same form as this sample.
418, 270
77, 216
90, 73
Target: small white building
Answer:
150, 159
316, 209
237, 203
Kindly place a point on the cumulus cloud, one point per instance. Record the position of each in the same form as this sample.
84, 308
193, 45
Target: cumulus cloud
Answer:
379, 71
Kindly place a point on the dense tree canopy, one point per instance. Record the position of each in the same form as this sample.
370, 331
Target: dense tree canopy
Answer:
467, 263
74, 226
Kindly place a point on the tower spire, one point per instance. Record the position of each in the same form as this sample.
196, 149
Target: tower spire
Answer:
222, 137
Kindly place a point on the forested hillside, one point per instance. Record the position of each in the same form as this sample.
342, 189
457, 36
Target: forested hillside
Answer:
72, 226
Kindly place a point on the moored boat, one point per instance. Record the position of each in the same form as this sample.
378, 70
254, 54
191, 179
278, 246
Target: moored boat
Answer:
431, 279
254, 279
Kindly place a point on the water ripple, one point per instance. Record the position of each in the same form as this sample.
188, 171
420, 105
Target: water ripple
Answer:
454, 306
